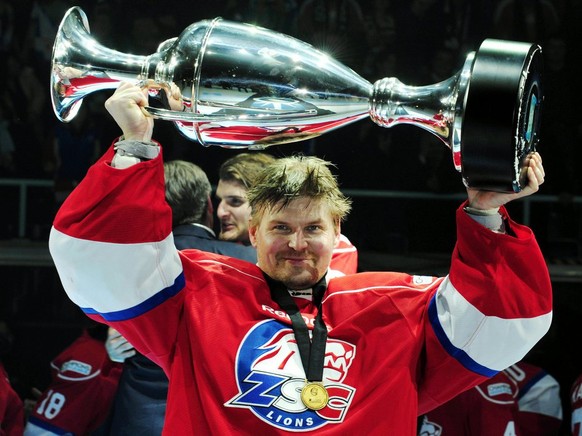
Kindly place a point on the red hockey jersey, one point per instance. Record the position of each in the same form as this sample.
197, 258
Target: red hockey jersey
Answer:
344, 257
397, 346
82, 386
486, 410
538, 400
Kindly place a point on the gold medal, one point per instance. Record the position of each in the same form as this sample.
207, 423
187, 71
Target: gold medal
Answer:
314, 395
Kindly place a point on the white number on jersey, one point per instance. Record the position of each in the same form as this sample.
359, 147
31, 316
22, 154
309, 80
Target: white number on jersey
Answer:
51, 405
510, 429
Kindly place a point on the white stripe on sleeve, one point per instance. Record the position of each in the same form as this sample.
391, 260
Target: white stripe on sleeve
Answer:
111, 277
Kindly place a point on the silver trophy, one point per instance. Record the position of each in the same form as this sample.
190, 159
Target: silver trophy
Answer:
237, 85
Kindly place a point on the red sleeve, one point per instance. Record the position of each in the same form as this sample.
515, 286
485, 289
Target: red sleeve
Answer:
516, 258
498, 285
82, 215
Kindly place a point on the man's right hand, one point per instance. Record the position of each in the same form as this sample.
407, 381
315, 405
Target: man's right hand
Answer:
126, 106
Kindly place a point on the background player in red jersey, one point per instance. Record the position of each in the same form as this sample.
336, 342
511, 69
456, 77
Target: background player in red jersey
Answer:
538, 400
79, 395
235, 176
11, 407
485, 410
521, 400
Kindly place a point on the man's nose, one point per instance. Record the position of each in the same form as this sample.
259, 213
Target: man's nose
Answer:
297, 241
221, 210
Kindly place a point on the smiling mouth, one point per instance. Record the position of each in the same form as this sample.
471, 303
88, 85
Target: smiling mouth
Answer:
296, 260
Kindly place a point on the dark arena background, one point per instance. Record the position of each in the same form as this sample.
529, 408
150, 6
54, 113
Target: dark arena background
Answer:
404, 187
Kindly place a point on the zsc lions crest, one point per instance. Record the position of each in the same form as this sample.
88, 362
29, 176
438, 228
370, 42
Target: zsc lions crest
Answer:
270, 378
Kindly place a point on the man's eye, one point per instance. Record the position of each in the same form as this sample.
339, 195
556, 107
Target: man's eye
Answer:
235, 202
313, 228
280, 228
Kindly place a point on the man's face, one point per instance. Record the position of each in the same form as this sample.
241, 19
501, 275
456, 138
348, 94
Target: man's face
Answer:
233, 211
294, 245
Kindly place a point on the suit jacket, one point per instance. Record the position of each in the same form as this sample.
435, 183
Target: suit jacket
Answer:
194, 236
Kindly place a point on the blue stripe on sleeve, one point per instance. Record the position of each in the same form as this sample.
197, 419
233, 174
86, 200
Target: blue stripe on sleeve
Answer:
527, 386
463, 358
152, 302
46, 426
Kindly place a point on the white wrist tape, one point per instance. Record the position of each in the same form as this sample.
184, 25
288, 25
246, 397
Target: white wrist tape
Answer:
481, 212
490, 218
141, 150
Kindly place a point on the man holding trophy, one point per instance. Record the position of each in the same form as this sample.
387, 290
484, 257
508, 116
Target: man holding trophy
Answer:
275, 347
283, 346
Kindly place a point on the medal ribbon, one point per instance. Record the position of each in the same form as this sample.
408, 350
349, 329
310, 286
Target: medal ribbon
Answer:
312, 352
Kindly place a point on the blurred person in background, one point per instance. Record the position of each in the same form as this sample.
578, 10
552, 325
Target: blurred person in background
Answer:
83, 382
11, 405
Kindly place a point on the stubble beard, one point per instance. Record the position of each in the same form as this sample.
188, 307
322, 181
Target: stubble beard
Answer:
296, 278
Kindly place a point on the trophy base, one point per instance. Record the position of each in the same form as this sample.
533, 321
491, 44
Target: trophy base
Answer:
501, 116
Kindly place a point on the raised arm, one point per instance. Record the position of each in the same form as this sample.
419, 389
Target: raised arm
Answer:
111, 240
496, 302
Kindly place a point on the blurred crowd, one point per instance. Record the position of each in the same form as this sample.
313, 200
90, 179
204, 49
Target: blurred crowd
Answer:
420, 42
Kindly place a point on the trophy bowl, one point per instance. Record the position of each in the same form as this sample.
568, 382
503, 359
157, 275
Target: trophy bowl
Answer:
237, 85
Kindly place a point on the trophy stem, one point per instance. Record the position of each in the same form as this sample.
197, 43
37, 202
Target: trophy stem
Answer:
437, 108
430, 107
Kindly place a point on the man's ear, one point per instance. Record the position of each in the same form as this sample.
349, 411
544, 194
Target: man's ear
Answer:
209, 212
253, 233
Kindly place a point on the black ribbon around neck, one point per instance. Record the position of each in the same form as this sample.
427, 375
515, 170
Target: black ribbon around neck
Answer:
312, 352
